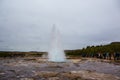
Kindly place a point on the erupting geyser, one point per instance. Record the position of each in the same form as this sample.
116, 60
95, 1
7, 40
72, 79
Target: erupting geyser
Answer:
56, 52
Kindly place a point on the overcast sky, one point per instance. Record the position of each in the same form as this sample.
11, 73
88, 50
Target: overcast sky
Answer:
26, 25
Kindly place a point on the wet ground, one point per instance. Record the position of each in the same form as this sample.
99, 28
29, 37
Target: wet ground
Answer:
73, 69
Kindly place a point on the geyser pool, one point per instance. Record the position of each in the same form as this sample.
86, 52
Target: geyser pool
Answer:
56, 52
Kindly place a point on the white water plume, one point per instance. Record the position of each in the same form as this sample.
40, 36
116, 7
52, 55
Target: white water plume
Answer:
56, 52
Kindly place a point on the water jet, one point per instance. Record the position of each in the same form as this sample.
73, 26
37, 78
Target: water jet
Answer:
56, 52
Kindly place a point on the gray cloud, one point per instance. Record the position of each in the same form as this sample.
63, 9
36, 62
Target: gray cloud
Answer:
26, 25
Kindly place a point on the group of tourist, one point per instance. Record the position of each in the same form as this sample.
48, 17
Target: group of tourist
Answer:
109, 56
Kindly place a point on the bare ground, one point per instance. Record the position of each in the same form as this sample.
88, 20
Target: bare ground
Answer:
74, 69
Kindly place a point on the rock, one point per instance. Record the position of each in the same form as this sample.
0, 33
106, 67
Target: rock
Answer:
2, 73
26, 79
46, 74
76, 75
71, 75
30, 59
94, 75
77, 65
54, 78
55, 66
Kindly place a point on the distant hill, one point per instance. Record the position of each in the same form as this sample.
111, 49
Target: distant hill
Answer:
118, 43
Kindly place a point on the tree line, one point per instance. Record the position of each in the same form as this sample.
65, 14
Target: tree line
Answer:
20, 54
109, 51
